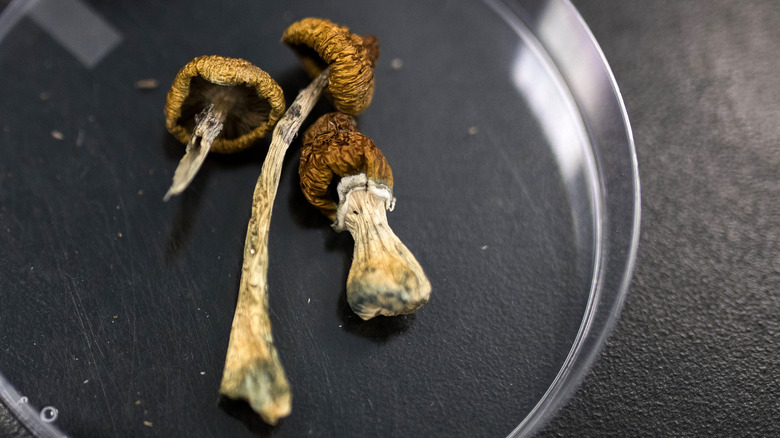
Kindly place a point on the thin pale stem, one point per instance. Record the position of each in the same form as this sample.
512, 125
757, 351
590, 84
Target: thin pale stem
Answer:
252, 368
209, 125
385, 277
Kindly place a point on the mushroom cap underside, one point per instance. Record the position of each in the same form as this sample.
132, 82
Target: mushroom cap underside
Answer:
250, 100
320, 44
333, 149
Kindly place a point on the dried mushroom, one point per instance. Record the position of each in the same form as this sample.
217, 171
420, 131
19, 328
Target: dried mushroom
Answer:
385, 278
252, 370
219, 104
322, 45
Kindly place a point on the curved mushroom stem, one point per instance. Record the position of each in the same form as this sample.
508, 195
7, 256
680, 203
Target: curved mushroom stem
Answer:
252, 368
385, 278
209, 124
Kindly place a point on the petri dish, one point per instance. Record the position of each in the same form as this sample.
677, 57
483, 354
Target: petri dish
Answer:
517, 189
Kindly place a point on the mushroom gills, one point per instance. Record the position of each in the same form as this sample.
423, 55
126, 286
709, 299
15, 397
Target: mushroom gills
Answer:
241, 108
221, 97
385, 277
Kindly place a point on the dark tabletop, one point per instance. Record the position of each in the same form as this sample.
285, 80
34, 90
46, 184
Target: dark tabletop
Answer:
696, 349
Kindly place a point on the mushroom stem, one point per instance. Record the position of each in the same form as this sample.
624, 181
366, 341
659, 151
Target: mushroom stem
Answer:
252, 368
209, 124
385, 278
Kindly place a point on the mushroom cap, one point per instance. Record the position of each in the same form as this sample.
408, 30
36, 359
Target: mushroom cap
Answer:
252, 100
332, 147
320, 44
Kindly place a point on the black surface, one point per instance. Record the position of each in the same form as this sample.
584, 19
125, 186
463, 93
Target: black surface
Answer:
117, 307
697, 349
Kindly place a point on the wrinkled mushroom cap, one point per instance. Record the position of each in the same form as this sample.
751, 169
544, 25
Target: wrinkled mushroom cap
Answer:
333, 148
321, 44
254, 99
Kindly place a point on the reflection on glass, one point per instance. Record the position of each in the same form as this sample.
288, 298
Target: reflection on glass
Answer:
556, 114
585, 72
73, 24
12, 13
560, 122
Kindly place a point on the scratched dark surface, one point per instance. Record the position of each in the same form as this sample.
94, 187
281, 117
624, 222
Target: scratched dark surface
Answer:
116, 307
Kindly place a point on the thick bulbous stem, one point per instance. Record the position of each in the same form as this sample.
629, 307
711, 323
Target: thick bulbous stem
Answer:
385, 277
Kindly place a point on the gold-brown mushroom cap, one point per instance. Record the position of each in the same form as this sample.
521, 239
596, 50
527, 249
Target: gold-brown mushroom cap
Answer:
333, 148
256, 101
320, 44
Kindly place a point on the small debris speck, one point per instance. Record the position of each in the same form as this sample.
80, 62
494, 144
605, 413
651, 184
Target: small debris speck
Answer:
397, 63
118, 207
148, 423
147, 84
484, 247
473, 130
44, 96
57, 135
140, 193
86, 381
202, 373
137, 402
119, 234
309, 300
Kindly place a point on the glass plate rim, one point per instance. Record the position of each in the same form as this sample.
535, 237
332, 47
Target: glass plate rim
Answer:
615, 255
604, 305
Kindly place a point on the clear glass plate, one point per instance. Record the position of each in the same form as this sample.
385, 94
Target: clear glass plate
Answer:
517, 190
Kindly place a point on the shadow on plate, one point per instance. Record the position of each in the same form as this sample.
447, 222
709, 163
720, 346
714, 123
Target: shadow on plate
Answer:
240, 410
378, 329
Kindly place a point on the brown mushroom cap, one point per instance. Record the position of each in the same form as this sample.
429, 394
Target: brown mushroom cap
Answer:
254, 102
332, 147
321, 43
